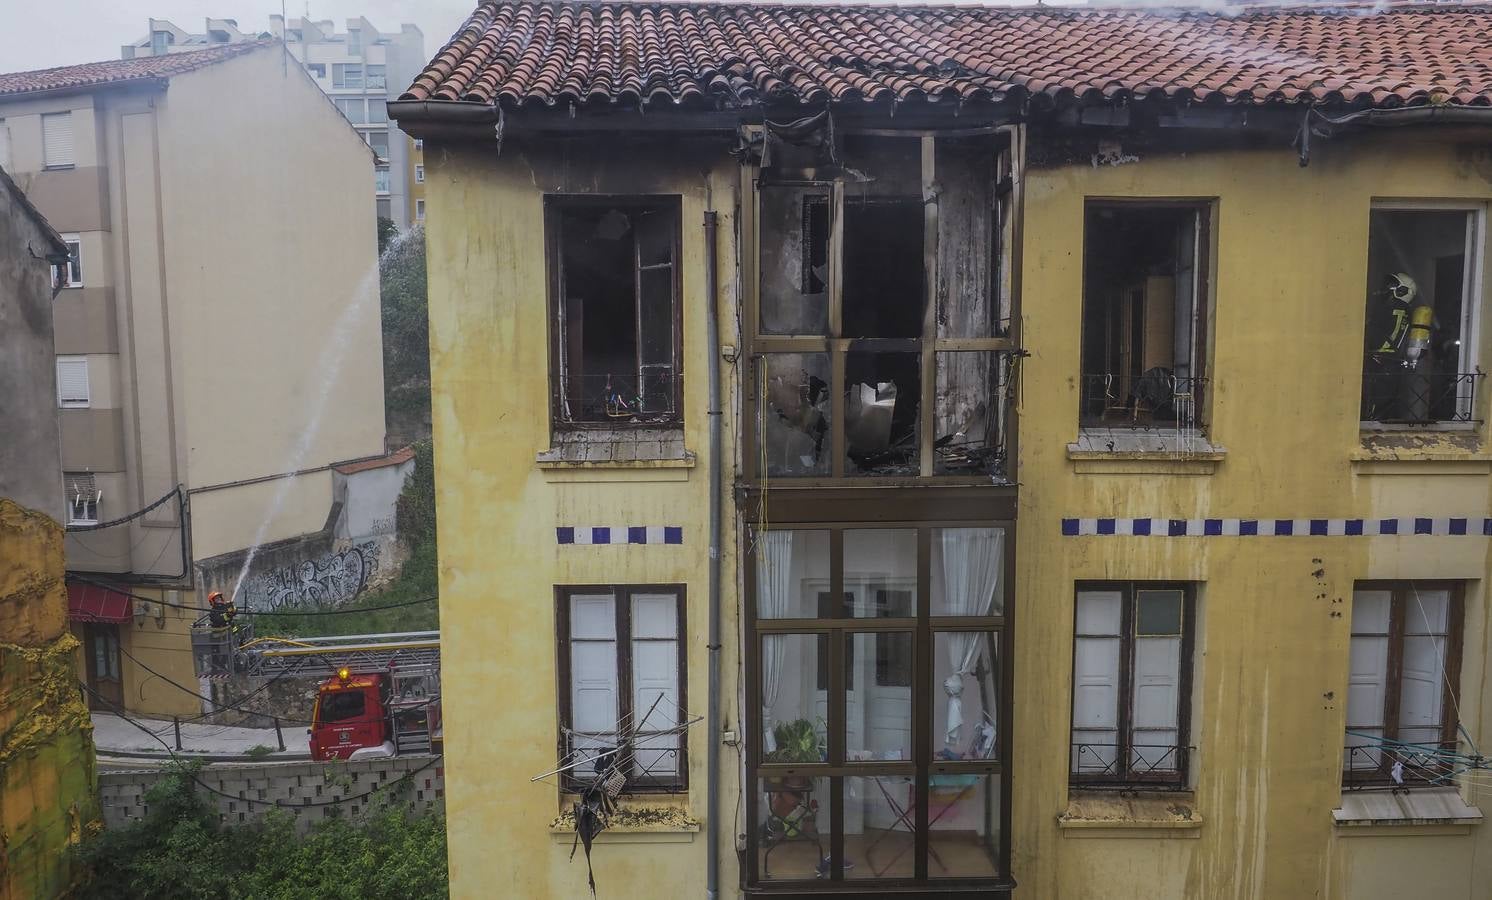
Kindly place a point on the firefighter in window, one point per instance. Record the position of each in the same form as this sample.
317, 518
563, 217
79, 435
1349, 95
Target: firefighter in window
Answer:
1398, 389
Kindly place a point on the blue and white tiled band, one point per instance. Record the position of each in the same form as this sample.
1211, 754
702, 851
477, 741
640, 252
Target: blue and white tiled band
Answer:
1277, 527
619, 534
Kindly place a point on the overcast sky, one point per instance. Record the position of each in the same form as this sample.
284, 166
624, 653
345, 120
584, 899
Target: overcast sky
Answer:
39, 34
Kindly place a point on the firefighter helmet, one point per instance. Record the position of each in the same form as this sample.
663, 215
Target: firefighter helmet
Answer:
1402, 288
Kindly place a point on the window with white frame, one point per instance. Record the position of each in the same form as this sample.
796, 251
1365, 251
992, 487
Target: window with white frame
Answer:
1131, 683
1401, 694
419, 210
354, 109
1419, 340
378, 111
379, 141
72, 382
381, 179
57, 140
376, 77
419, 143
83, 497
419, 174
347, 75
621, 664
317, 69
71, 275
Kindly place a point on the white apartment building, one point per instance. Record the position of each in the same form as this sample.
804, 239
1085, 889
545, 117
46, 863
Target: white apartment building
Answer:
360, 69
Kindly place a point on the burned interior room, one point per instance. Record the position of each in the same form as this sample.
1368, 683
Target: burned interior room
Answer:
1141, 315
884, 266
616, 315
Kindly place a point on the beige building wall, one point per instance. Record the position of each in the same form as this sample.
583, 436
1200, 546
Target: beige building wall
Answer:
274, 329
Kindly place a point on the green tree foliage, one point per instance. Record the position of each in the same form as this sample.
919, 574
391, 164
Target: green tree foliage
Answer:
406, 336
179, 851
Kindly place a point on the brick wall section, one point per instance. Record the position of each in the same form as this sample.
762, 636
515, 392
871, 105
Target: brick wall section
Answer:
297, 787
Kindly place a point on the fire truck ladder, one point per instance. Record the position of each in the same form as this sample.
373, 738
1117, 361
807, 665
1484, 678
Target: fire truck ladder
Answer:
403, 652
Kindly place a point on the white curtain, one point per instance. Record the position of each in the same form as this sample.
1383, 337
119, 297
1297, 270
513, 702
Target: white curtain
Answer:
973, 559
774, 569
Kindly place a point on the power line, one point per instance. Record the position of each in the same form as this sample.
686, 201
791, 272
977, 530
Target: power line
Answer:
174, 492
407, 776
232, 706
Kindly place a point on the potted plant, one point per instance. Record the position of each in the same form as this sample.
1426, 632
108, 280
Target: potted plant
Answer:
797, 741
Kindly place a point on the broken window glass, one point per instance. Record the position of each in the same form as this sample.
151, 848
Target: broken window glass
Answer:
617, 314
1141, 315
884, 275
794, 238
883, 393
795, 426
967, 260
1415, 353
969, 405
884, 223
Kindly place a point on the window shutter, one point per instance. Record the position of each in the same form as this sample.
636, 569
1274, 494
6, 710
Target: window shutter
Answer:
1422, 684
72, 381
4, 146
655, 679
57, 139
593, 674
1367, 677
1157, 691
1095, 681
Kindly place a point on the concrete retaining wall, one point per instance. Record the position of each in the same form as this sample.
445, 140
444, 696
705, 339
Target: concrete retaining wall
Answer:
297, 787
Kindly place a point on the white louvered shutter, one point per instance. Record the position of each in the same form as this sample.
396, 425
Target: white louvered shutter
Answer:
655, 680
1367, 676
1095, 683
72, 382
593, 676
57, 139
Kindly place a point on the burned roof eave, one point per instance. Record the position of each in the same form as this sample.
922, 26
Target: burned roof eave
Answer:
464, 118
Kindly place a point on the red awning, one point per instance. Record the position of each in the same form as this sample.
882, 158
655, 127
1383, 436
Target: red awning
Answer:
90, 603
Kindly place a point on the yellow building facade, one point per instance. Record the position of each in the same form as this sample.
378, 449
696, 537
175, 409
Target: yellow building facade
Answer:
1095, 519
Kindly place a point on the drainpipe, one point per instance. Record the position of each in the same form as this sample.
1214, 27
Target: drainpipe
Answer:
712, 712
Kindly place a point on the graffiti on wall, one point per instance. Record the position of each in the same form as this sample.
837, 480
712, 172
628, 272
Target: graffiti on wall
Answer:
327, 580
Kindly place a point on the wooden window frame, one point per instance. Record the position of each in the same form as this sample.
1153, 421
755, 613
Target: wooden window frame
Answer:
1129, 591
928, 347
622, 601
824, 514
1400, 592
555, 206
1205, 209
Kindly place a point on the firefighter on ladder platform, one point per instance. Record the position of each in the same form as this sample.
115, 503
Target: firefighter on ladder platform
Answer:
222, 619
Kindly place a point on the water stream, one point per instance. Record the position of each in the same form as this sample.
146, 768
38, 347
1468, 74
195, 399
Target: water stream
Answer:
328, 367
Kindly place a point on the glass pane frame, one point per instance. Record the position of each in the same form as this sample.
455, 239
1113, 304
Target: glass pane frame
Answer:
837, 630
1366, 765
927, 348
1169, 767
626, 638
664, 387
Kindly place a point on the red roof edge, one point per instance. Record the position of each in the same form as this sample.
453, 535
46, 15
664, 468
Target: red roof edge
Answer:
398, 457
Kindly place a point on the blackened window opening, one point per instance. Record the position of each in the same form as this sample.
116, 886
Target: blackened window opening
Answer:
617, 316
1142, 362
884, 275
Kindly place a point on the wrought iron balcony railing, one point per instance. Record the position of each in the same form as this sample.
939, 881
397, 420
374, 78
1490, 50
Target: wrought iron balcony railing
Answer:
1137, 766
1389, 764
1418, 396
652, 397
1156, 397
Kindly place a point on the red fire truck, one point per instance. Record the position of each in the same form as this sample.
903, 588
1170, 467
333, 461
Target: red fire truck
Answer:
380, 695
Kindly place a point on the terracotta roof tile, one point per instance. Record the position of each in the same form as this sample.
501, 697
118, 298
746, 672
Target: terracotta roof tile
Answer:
732, 54
116, 71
